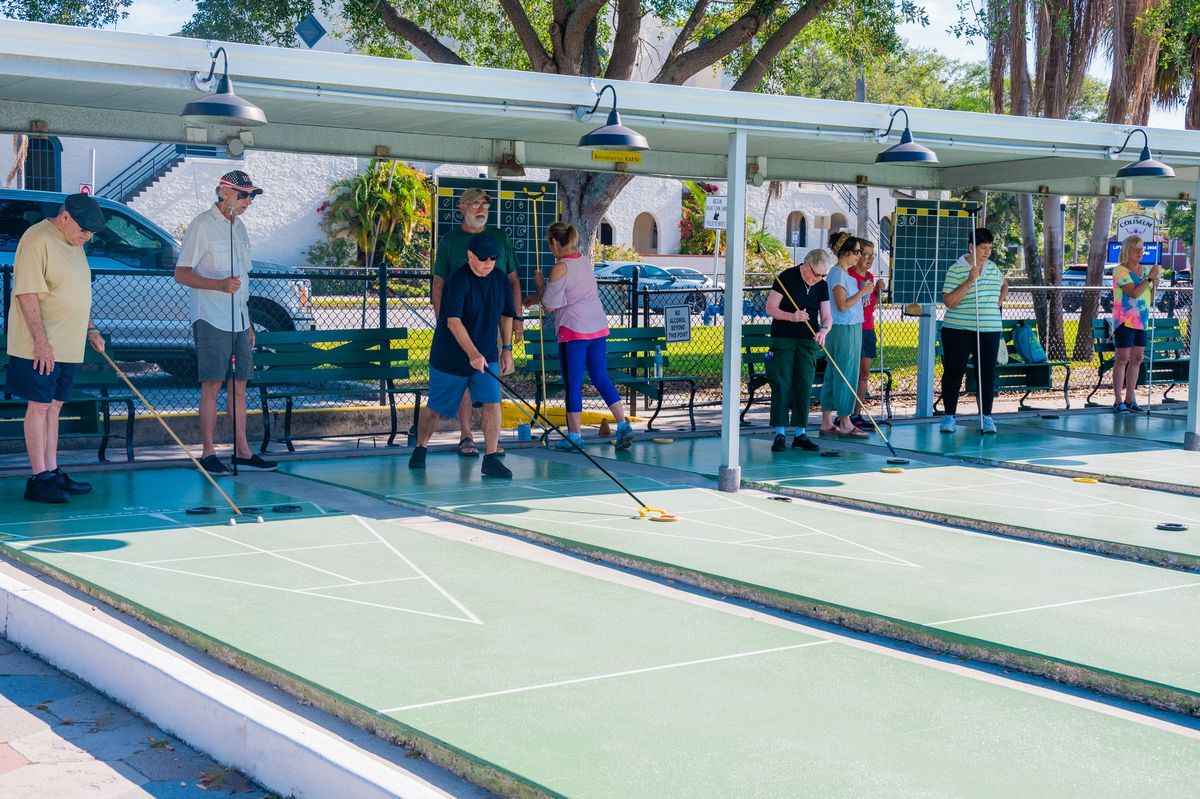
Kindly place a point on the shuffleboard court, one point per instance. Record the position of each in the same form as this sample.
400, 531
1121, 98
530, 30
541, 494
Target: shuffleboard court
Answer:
1050, 610
1155, 428
540, 680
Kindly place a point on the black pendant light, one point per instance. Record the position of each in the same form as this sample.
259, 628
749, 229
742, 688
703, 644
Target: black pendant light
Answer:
907, 151
614, 135
223, 107
1146, 166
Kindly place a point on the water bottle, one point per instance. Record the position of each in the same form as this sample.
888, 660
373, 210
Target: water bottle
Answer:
658, 361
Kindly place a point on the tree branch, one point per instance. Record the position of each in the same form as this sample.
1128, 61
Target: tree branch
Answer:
574, 26
675, 71
539, 59
775, 44
623, 60
417, 36
689, 27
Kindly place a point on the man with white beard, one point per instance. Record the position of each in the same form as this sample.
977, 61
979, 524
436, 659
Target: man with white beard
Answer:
451, 255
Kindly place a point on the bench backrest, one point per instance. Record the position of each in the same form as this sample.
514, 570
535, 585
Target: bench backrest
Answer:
1006, 338
1167, 341
629, 349
308, 356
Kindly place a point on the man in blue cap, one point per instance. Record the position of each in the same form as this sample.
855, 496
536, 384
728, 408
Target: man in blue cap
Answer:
477, 302
49, 321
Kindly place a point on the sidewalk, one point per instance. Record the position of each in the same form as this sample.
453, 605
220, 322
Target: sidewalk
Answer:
60, 739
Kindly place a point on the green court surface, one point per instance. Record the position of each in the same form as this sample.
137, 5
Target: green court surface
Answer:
572, 681
1007, 600
1160, 429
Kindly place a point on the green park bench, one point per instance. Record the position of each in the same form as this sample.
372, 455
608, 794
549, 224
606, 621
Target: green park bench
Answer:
1170, 366
756, 343
332, 364
87, 414
1016, 375
630, 365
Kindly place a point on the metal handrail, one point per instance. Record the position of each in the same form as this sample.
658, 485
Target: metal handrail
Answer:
151, 164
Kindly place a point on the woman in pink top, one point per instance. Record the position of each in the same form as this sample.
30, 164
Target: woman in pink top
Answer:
573, 296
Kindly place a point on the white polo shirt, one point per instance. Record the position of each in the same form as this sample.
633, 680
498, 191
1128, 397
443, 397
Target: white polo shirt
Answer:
206, 249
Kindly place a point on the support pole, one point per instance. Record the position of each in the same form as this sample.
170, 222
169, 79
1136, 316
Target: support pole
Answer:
730, 475
1191, 438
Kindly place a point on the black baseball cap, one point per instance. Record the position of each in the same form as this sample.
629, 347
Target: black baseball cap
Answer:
240, 181
483, 246
86, 212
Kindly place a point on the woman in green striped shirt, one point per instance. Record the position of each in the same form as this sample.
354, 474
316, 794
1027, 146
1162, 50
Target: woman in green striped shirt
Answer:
973, 293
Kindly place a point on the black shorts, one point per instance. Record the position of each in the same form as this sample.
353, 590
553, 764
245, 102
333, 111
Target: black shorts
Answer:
1124, 337
22, 380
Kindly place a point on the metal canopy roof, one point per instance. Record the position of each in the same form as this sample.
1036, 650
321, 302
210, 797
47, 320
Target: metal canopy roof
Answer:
105, 84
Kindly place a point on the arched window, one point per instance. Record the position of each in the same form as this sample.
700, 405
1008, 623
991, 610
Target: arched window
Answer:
837, 222
797, 230
43, 164
606, 233
885, 234
645, 233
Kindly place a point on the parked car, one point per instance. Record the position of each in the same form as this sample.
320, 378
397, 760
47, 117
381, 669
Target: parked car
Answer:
662, 289
1076, 275
135, 299
688, 273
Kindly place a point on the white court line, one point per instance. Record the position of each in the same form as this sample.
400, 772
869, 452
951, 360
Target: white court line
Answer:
690, 515
260, 550
474, 619
1063, 604
245, 554
150, 513
895, 558
356, 585
776, 538
598, 677
297, 591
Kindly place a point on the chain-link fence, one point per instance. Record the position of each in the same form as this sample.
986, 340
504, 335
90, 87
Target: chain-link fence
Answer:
146, 316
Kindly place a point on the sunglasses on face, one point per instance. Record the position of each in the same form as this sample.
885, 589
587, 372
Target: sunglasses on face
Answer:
489, 258
242, 195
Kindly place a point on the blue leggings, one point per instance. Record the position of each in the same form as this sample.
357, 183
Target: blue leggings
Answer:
592, 355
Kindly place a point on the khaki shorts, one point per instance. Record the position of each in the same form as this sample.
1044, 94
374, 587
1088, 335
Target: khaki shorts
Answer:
213, 348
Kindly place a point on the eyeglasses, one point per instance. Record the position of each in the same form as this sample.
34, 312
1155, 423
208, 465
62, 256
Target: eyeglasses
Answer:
856, 252
242, 195
489, 258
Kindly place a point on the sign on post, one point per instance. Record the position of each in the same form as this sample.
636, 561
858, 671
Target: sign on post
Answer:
714, 212
1135, 225
85, 188
677, 320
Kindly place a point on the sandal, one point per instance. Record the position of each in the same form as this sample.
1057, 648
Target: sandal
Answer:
854, 433
467, 448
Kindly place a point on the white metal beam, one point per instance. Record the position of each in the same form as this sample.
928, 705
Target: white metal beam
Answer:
730, 476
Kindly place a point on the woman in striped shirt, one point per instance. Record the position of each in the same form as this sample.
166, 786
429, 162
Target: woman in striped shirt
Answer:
973, 293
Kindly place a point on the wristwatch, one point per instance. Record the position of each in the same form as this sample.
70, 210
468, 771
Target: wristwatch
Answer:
507, 347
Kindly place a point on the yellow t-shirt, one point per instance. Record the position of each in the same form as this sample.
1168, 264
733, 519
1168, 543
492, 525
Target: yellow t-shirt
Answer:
57, 272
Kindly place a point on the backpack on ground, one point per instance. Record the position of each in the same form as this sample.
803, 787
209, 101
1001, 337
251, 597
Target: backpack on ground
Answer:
1026, 344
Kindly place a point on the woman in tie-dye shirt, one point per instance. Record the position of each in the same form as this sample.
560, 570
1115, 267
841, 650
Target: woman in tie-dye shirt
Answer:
1133, 296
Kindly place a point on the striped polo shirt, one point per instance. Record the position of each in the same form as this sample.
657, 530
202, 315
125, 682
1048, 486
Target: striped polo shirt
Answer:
987, 287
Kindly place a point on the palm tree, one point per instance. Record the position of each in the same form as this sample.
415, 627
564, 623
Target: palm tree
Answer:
1134, 47
20, 153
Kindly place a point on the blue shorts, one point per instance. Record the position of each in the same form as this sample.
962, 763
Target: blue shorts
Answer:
22, 380
446, 390
1128, 337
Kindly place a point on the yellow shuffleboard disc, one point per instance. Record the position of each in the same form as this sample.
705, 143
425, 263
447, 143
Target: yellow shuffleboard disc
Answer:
1085, 479
663, 440
891, 470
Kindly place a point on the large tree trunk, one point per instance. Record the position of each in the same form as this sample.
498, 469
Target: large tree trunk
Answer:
1052, 269
1097, 256
1033, 260
585, 197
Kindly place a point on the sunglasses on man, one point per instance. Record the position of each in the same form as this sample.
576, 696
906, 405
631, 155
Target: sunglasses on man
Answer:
241, 195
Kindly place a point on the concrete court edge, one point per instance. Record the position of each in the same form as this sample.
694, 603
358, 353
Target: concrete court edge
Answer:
475, 770
1079, 675
1163, 558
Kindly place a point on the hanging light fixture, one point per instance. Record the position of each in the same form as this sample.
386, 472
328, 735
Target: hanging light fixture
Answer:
614, 135
906, 151
1144, 167
223, 107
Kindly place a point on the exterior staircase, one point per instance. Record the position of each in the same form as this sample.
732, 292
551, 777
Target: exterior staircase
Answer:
850, 201
152, 167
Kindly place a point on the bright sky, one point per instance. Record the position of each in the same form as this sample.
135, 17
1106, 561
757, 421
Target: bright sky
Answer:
168, 16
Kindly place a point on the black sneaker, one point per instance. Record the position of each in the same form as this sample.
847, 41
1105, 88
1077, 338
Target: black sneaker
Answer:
1135, 408
780, 443
213, 465
805, 443
255, 463
494, 467
44, 488
417, 459
67, 484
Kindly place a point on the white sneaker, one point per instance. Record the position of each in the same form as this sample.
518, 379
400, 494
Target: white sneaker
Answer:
947, 425
988, 426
